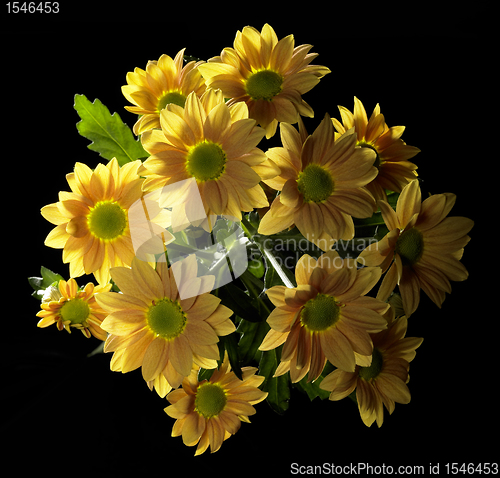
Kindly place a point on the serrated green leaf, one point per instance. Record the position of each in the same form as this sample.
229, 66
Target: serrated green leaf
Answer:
110, 136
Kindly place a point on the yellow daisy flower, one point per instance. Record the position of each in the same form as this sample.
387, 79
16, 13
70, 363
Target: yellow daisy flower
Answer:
392, 153
210, 411
150, 326
327, 316
321, 184
270, 76
384, 381
67, 306
92, 224
423, 248
165, 81
216, 145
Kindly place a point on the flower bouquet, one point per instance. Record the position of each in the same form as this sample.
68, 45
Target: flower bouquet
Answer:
227, 273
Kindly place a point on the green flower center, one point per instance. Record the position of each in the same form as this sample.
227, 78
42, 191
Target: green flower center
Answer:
375, 368
320, 313
166, 318
210, 400
378, 161
172, 97
107, 220
206, 161
264, 85
75, 310
315, 183
410, 246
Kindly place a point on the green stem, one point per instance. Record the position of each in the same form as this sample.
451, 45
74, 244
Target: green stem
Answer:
252, 290
276, 266
98, 350
247, 227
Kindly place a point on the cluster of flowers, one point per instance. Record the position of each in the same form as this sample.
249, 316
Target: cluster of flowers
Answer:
205, 120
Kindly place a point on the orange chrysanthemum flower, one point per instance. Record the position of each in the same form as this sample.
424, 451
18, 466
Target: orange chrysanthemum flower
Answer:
152, 327
321, 184
392, 153
165, 81
327, 316
384, 381
423, 248
210, 411
92, 222
68, 307
270, 76
216, 145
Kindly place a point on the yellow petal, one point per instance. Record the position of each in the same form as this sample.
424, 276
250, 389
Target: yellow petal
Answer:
195, 115
155, 359
282, 54
181, 355
176, 130
338, 350
217, 123
58, 237
272, 340
211, 69
112, 302
243, 174
52, 213
409, 203
124, 322
193, 428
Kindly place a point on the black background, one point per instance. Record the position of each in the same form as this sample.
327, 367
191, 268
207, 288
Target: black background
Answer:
59, 406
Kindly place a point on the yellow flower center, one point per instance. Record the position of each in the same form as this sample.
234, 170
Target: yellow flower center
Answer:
375, 368
75, 310
264, 85
206, 160
410, 246
315, 183
171, 97
166, 318
364, 144
210, 400
320, 313
107, 220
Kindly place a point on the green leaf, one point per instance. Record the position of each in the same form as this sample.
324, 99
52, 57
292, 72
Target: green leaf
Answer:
110, 137
49, 277
273, 278
278, 388
253, 334
286, 277
230, 343
39, 284
239, 302
312, 389
376, 219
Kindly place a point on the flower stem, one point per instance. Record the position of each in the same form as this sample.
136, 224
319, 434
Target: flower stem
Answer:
247, 227
98, 350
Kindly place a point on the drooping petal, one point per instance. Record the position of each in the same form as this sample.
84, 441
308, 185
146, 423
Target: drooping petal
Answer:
155, 359
338, 350
180, 355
